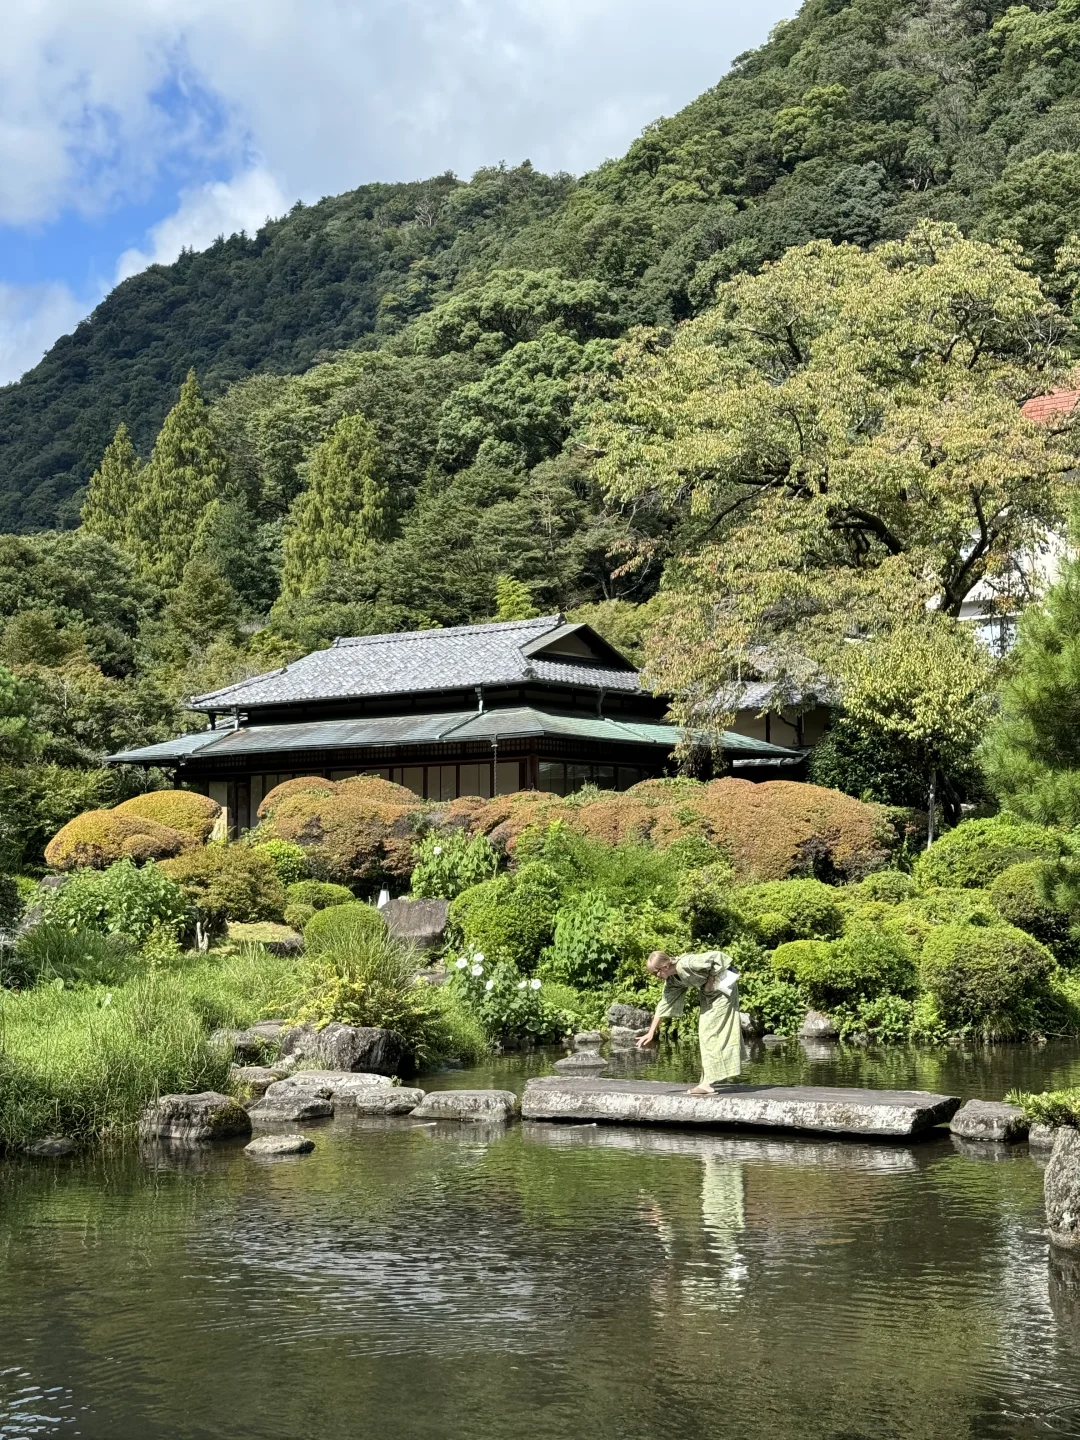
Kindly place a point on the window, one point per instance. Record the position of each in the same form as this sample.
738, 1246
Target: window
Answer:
507, 777
553, 777
475, 780
412, 777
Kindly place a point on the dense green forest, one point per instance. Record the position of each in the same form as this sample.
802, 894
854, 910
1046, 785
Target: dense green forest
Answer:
386, 410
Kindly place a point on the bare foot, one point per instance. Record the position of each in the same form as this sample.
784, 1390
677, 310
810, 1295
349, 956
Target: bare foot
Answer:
701, 1090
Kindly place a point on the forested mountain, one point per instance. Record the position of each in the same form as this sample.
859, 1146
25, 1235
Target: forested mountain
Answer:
851, 122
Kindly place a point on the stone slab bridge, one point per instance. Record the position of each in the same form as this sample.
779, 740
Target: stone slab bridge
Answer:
886, 1114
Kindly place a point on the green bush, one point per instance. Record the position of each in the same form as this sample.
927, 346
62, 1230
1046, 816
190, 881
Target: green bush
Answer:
985, 977
448, 862
511, 917
584, 952
1023, 896
289, 860
305, 897
886, 1019
977, 851
507, 1004
49, 953
705, 899
863, 965
342, 927
778, 1005
229, 882
777, 911
122, 900
888, 886
1049, 1107
11, 902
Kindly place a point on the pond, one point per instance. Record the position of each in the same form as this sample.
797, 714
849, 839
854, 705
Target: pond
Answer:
408, 1281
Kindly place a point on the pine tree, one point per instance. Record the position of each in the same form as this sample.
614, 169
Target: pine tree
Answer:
1032, 754
184, 475
113, 492
342, 510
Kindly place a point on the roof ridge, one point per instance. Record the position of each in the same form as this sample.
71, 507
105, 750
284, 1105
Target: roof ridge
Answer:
491, 625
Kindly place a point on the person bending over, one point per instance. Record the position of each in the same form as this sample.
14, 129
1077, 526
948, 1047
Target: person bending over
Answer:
719, 1028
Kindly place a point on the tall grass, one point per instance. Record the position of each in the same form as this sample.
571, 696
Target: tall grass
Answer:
86, 1063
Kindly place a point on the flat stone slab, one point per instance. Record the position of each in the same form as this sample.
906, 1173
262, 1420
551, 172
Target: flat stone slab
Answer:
825, 1110
274, 1145
194, 1119
382, 1100
300, 1105
331, 1084
989, 1120
467, 1105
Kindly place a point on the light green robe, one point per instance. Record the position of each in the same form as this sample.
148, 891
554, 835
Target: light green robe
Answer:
719, 1028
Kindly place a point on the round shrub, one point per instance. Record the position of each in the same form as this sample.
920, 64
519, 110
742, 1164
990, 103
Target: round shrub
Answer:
1021, 896
889, 886
313, 785
305, 897
862, 965
122, 900
98, 838
342, 928
184, 810
977, 851
289, 860
782, 910
981, 976
511, 917
354, 835
229, 882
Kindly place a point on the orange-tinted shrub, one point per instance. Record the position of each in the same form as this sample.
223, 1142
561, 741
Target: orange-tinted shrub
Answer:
97, 838
181, 810
302, 785
373, 787
352, 835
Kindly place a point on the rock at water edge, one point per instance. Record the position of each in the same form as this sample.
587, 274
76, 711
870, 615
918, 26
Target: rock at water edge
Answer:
467, 1105
621, 1037
347, 1047
280, 1145
818, 1026
633, 1017
52, 1147
195, 1118
253, 1080
587, 1040
396, 1100
1042, 1137
1061, 1190
989, 1120
302, 1106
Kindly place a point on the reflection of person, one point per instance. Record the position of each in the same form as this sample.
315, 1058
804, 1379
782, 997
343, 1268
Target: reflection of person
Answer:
719, 1028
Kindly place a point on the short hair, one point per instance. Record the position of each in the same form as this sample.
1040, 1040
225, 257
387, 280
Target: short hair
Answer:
656, 959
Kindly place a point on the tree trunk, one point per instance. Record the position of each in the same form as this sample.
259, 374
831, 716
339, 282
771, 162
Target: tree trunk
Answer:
930, 809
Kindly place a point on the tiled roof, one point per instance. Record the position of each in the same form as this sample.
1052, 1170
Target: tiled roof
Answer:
451, 729
422, 660
1043, 407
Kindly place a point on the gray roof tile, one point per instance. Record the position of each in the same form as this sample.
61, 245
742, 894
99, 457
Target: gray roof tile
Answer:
421, 660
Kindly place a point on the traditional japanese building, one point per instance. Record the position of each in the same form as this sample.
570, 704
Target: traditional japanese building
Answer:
473, 710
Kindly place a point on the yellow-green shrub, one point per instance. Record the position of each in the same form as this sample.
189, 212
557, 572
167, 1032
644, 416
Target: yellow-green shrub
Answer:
184, 810
342, 927
229, 882
99, 838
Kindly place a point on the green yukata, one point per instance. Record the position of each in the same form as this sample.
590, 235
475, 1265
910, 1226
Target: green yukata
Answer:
719, 1028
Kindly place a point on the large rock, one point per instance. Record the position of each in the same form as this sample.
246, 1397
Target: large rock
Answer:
53, 1147
253, 1080
419, 923
467, 1105
377, 1100
195, 1118
581, 1061
818, 1026
1061, 1190
588, 1040
621, 1037
831, 1110
632, 1016
300, 1105
346, 1047
335, 1084
989, 1120
245, 1047
1042, 1137
274, 1145
750, 1025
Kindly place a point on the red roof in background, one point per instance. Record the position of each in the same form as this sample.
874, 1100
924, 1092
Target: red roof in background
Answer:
1058, 402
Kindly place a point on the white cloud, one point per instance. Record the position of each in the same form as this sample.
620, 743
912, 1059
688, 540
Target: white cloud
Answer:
31, 317
218, 208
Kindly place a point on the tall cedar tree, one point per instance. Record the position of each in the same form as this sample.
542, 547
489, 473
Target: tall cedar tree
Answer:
1032, 753
342, 509
114, 488
185, 474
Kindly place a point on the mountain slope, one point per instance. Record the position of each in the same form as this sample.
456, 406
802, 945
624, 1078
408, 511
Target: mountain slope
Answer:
853, 120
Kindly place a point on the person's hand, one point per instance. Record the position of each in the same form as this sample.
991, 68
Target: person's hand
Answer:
644, 1041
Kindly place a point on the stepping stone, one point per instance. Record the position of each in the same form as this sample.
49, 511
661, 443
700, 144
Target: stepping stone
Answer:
382, 1100
299, 1106
989, 1120
587, 1060
273, 1145
467, 1105
335, 1083
824, 1109
208, 1115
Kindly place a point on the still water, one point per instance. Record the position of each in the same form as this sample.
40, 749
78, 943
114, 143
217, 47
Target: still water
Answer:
408, 1281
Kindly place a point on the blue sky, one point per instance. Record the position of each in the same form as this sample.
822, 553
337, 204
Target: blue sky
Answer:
131, 128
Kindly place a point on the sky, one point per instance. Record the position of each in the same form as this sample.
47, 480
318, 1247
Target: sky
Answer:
130, 129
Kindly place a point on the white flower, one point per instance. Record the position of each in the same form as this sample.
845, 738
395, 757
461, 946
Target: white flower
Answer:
522, 984
476, 969
436, 850
479, 957
534, 984
490, 985
462, 963
108, 999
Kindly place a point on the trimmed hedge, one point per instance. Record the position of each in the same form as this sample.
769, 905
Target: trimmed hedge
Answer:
974, 854
1021, 895
229, 882
184, 810
361, 833
99, 838
981, 976
779, 910
306, 897
342, 928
